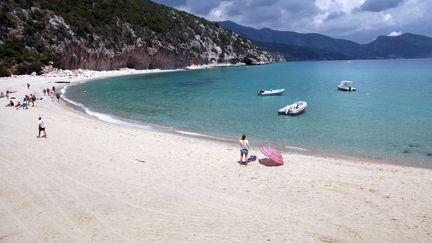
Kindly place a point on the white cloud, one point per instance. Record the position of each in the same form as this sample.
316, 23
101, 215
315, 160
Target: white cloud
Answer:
395, 33
216, 14
387, 17
336, 18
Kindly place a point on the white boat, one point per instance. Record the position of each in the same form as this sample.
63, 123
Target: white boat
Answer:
294, 109
346, 86
270, 92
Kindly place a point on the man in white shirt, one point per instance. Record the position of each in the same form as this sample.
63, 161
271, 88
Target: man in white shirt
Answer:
42, 128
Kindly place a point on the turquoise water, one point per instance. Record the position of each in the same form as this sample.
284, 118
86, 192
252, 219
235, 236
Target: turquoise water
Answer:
389, 117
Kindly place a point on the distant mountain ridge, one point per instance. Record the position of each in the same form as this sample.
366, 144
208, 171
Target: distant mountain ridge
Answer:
299, 53
321, 47
403, 46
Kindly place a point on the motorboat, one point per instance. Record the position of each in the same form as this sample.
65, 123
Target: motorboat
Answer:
293, 109
270, 92
346, 86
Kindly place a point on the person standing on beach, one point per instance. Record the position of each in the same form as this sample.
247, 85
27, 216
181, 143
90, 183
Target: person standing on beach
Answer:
244, 149
42, 128
58, 96
28, 86
33, 99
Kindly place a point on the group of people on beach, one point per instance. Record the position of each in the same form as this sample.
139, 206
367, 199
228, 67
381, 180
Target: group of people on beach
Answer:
26, 101
30, 99
52, 92
8, 92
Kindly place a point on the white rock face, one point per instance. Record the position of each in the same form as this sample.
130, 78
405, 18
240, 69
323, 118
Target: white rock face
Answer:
58, 22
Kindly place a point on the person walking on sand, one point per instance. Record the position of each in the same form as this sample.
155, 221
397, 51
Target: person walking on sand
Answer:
244, 149
42, 128
58, 96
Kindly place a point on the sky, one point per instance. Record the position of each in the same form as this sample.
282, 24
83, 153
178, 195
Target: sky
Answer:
357, 20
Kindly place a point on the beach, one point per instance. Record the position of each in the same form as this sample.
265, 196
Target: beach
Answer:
92, 180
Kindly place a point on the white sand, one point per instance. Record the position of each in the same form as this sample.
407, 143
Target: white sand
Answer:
96, 181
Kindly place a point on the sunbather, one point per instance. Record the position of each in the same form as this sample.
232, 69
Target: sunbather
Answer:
10, 104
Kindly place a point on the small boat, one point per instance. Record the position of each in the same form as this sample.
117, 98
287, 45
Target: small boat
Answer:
294, 109
270, 92
346, 86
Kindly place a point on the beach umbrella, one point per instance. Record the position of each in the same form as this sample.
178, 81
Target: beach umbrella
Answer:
273, 155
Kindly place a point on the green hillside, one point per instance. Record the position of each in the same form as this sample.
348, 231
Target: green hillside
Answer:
33, 33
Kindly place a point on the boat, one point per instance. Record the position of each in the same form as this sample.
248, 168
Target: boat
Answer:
346, 86
270, 92
293, 109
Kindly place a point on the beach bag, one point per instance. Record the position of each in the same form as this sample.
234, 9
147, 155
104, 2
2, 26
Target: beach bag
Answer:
252, 158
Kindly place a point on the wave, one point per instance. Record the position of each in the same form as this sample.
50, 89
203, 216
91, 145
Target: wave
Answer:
118, 121
296, 148
102, 116
193, 134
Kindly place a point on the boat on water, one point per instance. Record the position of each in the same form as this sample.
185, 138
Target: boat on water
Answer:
293, 109
270, 92
346, 86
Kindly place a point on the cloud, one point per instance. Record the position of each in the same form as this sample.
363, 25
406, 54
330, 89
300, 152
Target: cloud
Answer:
379, 5
335, 15
358, 20
173, 3
202, 7
395, 33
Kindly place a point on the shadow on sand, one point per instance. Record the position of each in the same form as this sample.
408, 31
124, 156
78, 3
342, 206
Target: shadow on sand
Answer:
268, 162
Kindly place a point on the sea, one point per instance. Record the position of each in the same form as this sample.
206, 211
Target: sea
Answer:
388, 118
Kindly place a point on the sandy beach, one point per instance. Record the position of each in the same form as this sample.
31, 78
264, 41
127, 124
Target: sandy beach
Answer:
93, 181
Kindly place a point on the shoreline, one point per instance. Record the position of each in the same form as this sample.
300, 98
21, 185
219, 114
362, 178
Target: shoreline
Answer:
79, 108
91, 180
286, 148
79, 76
225, 140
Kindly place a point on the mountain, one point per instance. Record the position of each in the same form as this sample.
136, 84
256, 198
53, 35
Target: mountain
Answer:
402, 46
299, 53
108, 34
321, 47
346, 48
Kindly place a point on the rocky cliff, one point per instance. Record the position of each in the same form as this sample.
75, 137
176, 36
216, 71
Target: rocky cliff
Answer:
105, 34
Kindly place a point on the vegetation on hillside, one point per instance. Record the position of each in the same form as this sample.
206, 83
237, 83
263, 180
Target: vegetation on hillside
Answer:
21, 48
30, 34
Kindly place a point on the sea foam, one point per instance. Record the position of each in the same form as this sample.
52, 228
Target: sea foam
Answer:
102, 116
